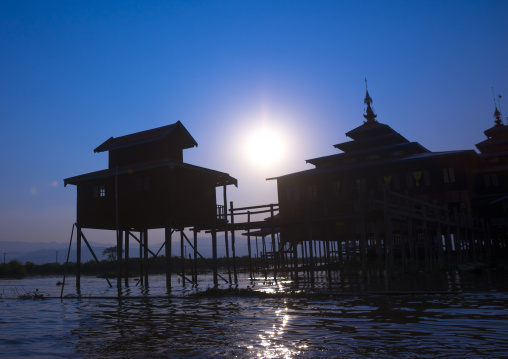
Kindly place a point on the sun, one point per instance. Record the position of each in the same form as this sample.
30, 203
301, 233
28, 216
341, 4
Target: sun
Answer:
264, 146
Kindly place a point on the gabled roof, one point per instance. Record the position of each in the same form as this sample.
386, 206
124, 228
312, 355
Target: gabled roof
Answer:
155, 134
221, 177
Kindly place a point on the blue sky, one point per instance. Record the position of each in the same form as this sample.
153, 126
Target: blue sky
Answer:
74, 73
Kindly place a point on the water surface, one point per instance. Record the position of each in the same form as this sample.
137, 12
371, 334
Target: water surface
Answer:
340, 325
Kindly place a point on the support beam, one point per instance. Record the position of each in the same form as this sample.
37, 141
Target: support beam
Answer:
214, 255
78, 257
182, 256
126, 262
119, 255
167, 240
145, 257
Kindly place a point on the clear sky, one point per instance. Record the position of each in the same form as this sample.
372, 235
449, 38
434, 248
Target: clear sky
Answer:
74, 73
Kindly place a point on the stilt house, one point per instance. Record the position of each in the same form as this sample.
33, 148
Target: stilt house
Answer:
148, 183
381, 192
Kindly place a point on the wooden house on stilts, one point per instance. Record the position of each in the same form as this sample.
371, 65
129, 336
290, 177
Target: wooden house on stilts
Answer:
147, 185
390, 201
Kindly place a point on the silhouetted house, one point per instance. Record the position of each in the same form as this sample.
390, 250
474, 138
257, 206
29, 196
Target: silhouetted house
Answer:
377, 158
492, 179
147, 184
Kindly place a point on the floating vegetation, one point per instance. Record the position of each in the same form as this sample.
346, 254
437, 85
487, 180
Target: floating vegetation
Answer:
225, 292
31, 295
249, 292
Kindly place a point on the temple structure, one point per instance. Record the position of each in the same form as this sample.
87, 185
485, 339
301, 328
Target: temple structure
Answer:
391, 199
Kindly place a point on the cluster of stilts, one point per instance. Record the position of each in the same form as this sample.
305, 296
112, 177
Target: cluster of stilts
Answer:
395, 232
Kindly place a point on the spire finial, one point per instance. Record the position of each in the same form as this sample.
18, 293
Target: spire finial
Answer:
497, 114
370, 116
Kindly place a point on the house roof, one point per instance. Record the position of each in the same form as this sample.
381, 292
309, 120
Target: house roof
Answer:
155, 134
221, 177
418, 156
415, 145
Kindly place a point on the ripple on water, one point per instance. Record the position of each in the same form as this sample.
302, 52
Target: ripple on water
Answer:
404, 326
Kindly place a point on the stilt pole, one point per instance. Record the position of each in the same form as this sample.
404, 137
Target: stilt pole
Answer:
233, 242
167, 239
182, 257
214, 253
126, 265
195, 280
78, 257
248, 246
141, 276
119, 255
145, 259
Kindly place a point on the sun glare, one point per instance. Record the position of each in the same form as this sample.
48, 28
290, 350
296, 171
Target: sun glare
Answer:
264, 146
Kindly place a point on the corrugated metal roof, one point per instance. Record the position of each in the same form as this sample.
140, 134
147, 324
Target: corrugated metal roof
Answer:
146, 136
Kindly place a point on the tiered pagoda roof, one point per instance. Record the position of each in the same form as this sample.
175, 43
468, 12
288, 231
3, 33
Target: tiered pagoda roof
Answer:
497, 138
372, 142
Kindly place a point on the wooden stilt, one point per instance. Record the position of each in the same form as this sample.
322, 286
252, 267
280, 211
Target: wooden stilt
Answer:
233, 242
167, 241
274, 249
141, 276
78, 257
182, 256
119, 255
145, 259
226, 239
311, 255
295, 262
126, 262
214, 253
195, 232
248, 246
328, 264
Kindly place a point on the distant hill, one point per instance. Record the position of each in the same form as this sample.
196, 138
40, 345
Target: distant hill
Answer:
51, 252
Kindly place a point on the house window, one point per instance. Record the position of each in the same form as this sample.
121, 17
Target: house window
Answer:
99, 190
409, 180
495, 182
313, 191
448, 175
361, 184
289, 194
296, 193
336, 187
396, 182
417, 175
426, 178
142, 184
491, 180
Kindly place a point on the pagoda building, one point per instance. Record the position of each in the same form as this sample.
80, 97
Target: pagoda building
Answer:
492, 176
375, 160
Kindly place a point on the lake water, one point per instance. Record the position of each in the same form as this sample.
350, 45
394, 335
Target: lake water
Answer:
336, 323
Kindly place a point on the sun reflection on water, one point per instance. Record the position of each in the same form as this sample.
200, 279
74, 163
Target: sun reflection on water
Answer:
272, 341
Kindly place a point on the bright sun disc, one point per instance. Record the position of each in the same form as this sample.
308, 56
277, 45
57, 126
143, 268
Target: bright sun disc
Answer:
264, 147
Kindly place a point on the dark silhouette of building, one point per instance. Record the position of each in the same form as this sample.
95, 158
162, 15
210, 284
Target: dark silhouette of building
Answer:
391, 198
491, 185
147, 186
